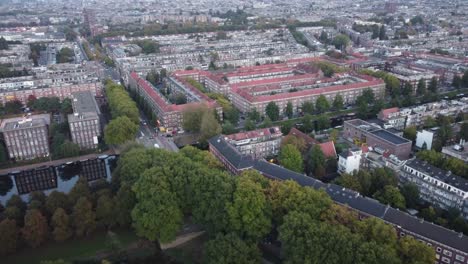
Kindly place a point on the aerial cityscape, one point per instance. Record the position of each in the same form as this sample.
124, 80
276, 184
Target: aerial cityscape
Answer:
234, 132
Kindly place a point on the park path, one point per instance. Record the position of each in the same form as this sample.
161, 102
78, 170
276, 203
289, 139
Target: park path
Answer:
182, 239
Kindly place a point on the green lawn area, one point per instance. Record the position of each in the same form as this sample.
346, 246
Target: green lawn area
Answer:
69, 250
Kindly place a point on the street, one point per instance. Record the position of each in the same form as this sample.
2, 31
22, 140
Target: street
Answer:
150, 138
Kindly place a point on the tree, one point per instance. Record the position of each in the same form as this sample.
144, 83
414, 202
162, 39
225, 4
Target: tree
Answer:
254, 115
464, 80
193, 117
230, 249
83, 217
56, 200
303, 240
105, 211
290, 158
80, 189
407, 89
323, 37
228, 128
410, 133
249, 125
289, 196
124, 202
60, 223
338, 102
463, 134
322, 105
3, 43
392, 196
433, 85
248, 212
209, 126
323, 122
272, 111
9, 237
308, 107
157, 215
35, 228
411, 193
120, 130
266, 122
65, 55
382, 35
289, 111
13, 107
457, 81
3, 155
68, 149
297, 142
307, 123
421, 88
415, 252
316, 161
341, 41
350, 181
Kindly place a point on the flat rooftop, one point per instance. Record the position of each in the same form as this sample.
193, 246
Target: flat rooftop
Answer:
440, 174
390, 137
84, 102
24, 122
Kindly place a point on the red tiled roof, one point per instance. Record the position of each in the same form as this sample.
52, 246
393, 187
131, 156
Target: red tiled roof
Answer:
336, 88
297, 133
328, 149
388, 111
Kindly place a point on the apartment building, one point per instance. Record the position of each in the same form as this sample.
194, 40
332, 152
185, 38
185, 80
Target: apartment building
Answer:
436, 186
302, 88
260, 143
450, 246
379, 139
170, 115
27, 137
85, 123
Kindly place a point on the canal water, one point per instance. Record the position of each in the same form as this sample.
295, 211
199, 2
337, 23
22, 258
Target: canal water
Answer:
55, 178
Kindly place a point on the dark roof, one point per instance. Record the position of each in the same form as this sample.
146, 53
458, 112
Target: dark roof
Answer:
392, 138
440, 174
230, 153
427, 229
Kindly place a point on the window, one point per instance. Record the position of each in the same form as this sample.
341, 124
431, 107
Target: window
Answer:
438, 249
460, 258
445, 260
447, 253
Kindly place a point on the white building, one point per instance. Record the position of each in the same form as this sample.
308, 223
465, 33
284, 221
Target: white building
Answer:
424, 137
349, 161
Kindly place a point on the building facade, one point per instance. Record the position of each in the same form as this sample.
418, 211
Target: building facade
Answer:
260, 143
359, 131
27, 138
85, 123
436, 186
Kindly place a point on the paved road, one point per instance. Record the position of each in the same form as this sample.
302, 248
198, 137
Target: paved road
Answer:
150, 137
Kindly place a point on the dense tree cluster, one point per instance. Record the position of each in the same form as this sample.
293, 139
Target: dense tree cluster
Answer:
65, 55
125, 116
148, 46
203, 120
61, 216
381, 183
239, 212
5, 72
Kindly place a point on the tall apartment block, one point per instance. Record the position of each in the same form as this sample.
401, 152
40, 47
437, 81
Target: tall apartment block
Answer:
27, 137
85, 127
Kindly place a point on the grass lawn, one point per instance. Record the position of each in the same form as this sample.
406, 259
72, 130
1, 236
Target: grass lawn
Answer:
190, 252
69, 250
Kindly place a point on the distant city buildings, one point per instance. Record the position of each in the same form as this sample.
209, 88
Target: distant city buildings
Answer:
27, 137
